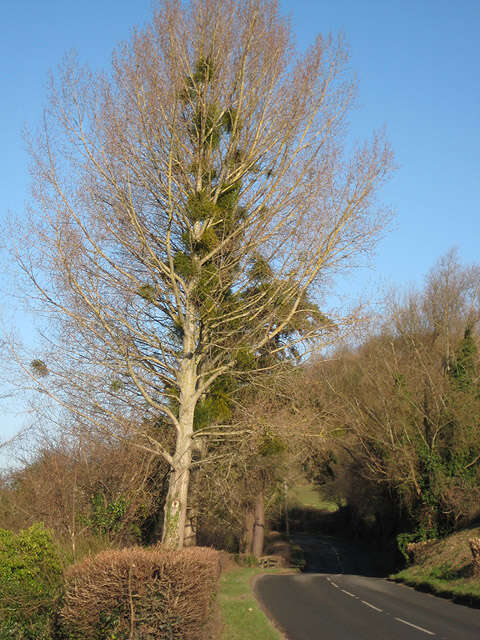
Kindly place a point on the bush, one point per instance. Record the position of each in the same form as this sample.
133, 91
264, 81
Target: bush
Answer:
147, 594
297, 557
30, 583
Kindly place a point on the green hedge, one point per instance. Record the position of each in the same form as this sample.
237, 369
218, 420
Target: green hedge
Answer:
30, 583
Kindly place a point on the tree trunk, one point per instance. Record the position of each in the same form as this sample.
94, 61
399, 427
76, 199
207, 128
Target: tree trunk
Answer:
259, 525
175, 515
475, 549
287, 519
190, 535
247, 537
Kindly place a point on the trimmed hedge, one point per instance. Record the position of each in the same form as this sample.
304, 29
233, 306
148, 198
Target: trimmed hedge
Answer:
30, 583
146, 594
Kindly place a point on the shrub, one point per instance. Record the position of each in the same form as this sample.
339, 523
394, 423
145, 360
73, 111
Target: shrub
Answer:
30, 583
146, 594
246, 559
297, 557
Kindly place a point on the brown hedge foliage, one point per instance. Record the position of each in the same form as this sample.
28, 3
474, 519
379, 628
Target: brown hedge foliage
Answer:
141, 594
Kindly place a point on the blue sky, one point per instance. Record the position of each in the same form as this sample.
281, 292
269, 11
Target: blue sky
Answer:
417, 66
418, 73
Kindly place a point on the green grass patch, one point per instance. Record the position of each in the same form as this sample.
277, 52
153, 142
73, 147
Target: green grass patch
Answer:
307, 495
462, 590
242, 617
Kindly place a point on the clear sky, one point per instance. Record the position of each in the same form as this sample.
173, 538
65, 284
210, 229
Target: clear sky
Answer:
417, 63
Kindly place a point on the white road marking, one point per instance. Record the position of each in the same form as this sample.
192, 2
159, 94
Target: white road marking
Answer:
372, 606
430, 633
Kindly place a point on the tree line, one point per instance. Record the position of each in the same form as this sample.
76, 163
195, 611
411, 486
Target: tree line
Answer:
404, 411
386, 425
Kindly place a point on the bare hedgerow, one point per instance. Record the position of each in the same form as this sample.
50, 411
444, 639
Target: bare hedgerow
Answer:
156, 594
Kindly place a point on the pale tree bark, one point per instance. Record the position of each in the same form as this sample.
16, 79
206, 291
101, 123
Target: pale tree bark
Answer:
253, 536
247, 537
175, 511
211, 154
190, 531
259, 524
475, 549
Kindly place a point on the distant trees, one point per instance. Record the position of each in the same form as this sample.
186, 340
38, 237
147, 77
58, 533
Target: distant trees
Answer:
407, 402
189, 206
242, 488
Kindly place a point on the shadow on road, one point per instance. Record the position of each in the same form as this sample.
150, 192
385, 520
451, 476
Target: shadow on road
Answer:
330, 554
328, 546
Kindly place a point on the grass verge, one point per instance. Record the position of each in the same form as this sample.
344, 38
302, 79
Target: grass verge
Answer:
444, 568
242, 617
463, 593
307, 495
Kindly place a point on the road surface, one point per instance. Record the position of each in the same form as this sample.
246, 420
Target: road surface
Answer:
340, 598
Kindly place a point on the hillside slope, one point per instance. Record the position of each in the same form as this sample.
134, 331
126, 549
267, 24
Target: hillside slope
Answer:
444, 567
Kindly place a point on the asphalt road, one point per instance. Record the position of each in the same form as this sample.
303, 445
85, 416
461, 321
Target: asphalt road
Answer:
341, 598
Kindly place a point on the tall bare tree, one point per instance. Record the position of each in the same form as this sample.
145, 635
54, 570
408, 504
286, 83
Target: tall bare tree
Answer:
189, 205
